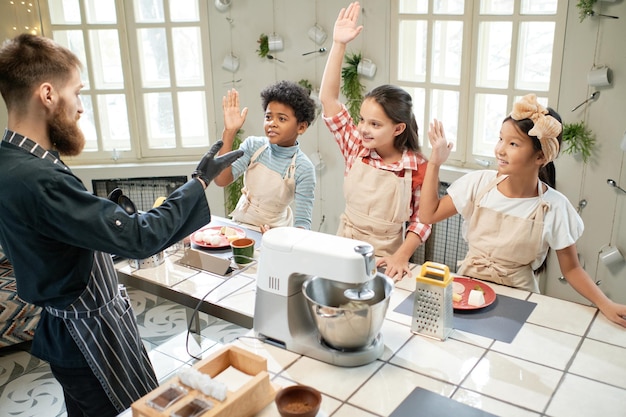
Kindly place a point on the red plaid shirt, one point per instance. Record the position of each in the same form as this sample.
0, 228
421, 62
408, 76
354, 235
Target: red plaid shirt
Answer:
347, 136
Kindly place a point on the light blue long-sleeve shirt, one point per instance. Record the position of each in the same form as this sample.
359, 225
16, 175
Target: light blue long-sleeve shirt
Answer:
278, 158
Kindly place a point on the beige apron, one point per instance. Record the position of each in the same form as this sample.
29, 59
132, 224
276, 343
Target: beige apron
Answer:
502, 247
377, 207
265, 196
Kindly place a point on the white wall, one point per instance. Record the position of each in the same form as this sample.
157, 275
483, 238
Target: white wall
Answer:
598, 40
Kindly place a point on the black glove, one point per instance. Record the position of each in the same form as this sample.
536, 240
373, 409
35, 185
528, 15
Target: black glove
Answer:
210, 166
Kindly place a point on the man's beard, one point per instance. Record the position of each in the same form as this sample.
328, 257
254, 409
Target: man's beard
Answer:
64, 133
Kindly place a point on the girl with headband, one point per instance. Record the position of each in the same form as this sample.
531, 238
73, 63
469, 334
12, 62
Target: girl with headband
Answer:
513, 216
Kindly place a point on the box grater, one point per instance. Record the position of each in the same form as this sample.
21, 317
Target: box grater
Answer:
432, 308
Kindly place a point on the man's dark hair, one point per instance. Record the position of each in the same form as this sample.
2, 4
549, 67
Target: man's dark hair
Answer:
28, 60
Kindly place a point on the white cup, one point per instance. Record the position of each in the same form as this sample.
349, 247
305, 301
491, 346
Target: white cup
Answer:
222, 5
600, 77
275, 42
230, 63
366, 68
610, 255
317, 34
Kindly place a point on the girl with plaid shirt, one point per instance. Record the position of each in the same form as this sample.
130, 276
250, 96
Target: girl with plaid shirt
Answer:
384, 165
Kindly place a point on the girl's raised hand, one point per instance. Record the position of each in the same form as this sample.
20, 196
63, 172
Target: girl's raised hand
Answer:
441, 148
346, 28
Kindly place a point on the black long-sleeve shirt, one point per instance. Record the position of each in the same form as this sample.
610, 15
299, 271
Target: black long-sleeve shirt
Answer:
50, 224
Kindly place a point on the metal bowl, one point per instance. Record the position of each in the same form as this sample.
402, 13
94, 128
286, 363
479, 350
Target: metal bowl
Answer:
348, 316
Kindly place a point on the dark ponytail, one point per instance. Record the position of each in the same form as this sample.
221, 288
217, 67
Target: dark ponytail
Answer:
547, 174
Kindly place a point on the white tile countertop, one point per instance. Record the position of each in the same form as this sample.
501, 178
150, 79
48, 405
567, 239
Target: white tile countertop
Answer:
566, 360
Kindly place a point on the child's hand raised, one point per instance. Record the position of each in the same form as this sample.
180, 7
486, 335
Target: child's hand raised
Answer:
441, 147
233, 118
345, 26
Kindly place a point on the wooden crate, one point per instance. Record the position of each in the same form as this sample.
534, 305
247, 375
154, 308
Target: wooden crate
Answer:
248, 400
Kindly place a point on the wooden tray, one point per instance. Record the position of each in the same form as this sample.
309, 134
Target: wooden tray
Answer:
248, 400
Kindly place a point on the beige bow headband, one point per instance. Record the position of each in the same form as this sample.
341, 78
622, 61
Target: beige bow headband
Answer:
546, 127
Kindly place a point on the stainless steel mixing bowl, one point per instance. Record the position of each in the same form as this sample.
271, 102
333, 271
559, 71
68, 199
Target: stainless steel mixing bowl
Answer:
348, 316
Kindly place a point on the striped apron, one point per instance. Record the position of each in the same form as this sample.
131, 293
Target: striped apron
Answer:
102, 323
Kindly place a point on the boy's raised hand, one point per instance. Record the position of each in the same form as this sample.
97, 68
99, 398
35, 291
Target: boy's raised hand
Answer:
346, 28
233, 118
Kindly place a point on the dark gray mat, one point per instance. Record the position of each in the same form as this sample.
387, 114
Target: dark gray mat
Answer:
502, 320
421, 402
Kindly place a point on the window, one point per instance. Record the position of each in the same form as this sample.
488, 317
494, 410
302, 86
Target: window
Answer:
466, 63
146, 94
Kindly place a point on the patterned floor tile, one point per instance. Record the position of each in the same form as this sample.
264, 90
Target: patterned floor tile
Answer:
223, 331
164, 321
142, 301
35, 393
28, 389
16, 361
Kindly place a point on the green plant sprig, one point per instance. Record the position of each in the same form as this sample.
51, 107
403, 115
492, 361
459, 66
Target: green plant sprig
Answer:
232, 192
585, 8
578, 138
306, 84
352, 88
264, 46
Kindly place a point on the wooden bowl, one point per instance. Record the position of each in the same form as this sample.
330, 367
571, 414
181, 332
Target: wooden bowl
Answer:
298, 401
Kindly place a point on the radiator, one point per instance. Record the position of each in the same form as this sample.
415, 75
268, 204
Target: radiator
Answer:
445, 244
142, 191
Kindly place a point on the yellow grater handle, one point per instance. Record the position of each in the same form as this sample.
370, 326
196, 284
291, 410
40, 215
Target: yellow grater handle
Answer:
435, 273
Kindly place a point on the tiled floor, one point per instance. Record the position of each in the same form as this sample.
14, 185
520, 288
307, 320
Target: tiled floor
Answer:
27, 387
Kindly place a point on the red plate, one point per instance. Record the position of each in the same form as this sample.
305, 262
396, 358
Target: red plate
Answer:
224, 242
469, 284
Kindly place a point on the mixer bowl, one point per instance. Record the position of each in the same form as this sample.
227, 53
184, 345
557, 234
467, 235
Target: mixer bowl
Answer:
344, 320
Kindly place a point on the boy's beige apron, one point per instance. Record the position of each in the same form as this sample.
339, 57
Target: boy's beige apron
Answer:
502, 247
377, 207
266, 196
102, 323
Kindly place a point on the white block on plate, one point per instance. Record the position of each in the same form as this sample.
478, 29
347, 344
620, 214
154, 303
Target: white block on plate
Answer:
476, 298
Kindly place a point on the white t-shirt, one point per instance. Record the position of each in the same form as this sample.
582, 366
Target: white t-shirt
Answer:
562, 225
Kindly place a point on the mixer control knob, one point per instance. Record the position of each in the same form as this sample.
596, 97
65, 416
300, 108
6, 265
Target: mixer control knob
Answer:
365, 250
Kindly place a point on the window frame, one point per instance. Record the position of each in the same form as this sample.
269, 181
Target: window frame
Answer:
462, 155
133, 90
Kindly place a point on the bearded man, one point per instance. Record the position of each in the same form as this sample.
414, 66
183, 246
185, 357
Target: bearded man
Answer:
58, 235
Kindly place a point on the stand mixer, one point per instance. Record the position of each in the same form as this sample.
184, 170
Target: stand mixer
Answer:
289, 257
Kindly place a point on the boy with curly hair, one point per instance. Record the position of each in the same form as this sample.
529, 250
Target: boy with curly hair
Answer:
276, 171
